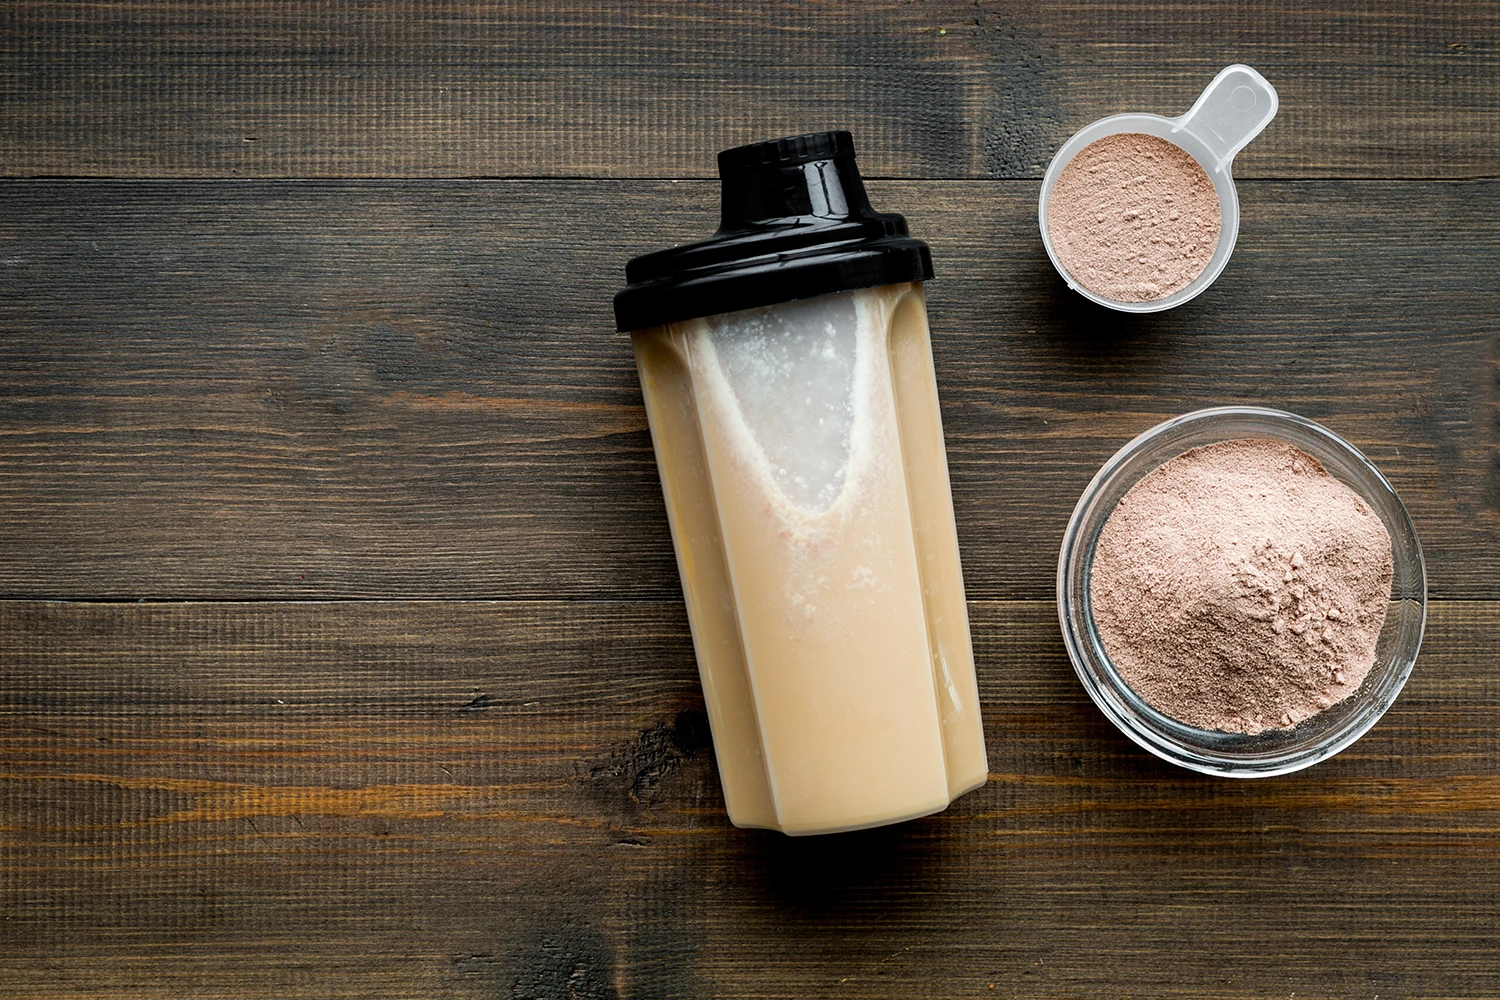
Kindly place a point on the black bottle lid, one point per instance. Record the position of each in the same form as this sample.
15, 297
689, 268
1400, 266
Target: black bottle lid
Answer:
796, 223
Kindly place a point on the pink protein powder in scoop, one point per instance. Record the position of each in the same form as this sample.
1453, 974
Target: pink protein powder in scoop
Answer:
1240, 587
1133, 217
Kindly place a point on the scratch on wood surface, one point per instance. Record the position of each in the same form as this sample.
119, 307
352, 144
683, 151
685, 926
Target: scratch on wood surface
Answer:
1491, 431
636, 770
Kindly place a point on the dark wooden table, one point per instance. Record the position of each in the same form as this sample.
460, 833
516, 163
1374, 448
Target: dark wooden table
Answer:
342, 651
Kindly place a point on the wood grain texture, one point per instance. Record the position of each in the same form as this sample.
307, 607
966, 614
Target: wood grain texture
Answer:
518, 800
307, 420
349, 389
284, 88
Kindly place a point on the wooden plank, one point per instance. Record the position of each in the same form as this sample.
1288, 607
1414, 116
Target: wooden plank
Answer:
517, 799
937, 89
286, 390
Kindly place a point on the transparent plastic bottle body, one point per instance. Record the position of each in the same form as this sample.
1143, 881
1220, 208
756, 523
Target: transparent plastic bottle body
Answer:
801, 456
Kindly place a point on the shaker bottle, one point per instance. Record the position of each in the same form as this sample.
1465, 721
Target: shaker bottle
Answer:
788, 380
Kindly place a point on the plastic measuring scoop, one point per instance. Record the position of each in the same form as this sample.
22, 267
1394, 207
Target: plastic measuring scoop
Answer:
1227, 115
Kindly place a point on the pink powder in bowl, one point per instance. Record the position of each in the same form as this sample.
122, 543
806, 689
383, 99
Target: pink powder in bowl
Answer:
1133, 218
1240, 587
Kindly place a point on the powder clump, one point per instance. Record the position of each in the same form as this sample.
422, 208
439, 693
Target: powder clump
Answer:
1240, 587
1133, 217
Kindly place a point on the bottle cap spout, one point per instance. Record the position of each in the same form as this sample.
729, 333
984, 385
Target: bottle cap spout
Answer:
804, 179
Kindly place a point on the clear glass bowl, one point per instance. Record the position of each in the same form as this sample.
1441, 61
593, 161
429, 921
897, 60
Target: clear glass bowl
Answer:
1231, 754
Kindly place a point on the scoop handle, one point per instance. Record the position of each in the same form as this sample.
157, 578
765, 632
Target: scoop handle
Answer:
1231, 111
